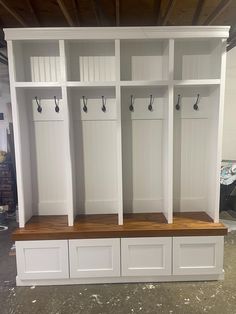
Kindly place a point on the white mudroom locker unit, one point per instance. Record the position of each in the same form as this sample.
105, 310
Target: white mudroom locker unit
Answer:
118, 152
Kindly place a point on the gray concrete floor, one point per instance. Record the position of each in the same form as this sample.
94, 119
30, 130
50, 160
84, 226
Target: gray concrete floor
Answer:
192, 297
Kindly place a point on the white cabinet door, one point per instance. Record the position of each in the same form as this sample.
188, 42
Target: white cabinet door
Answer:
198, 255
42, 259
94, 258
146, 256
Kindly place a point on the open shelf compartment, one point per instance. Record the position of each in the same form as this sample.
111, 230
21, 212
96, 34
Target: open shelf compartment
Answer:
195, 146
36, 61
144, 60
197, 59
91, 61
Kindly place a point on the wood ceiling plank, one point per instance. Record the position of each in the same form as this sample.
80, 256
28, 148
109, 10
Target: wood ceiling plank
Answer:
33, 12
223, 4
76, 10
168, 12
65, 12
198, 12
117, 12
157, 9
13, 12
96, 11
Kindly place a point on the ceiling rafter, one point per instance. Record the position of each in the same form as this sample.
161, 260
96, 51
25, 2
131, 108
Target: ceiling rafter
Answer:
33, 12
198, 12
76, 10
97, 13
65, 12
168, 12
217, 12
13, 13
157, 9
117, 12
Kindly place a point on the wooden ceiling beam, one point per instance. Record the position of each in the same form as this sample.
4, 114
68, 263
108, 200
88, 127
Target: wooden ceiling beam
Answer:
76, 10
13, 13
217, 12
33, 12
96, 11
198, 12
157, 9
117, 12
168, 12
65, 12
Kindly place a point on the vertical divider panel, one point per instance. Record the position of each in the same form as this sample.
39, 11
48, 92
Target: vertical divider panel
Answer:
168, 138
213, 208
68, 138
25, 207
119, 136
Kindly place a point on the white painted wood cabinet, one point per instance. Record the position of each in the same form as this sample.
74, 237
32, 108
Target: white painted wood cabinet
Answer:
198, 255
94, 258
42, 259
146, 256
119, 121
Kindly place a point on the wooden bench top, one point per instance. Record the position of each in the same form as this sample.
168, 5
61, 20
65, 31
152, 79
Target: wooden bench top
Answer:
106, 226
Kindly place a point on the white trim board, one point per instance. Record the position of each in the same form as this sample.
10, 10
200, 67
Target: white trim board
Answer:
81, 33
118, 280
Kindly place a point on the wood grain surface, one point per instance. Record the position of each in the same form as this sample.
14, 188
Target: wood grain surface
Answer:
106, 226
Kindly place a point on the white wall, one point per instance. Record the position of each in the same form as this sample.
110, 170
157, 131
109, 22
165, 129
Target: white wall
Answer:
229, 133
4, 103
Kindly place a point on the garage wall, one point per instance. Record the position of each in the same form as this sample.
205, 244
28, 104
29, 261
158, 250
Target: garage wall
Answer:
229, 131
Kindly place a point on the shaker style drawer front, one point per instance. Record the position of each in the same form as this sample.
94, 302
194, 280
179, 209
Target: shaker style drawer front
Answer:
146, 256
94, 258
42, 259
198, 255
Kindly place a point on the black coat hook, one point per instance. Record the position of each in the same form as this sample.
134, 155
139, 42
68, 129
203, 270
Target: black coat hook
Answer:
150, 108
39, 107
131, 107
195, 106
104, 104
85, 109
177, 106
57, 109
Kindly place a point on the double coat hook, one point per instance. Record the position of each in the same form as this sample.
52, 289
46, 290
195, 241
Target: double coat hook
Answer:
85, 108
39, 107
177, 106
131, 107
195, 106
104, 104
57, 109
150, 108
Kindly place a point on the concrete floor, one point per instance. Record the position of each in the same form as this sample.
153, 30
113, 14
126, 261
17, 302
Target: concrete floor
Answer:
200, 297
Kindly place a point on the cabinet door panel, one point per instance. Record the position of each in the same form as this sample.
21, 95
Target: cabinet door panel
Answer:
42, 259
94, 258
146, 256
198, 255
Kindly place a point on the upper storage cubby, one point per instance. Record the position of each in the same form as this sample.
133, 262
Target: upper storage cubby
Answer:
91, 61
36, 61
197, 59
144, 60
